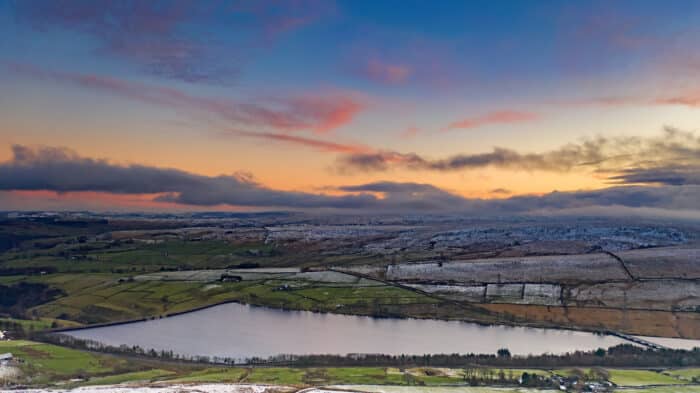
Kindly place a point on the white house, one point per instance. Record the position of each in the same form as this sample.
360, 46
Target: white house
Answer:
5, 358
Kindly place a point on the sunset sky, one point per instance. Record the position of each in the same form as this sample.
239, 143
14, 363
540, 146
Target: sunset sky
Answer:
498, 106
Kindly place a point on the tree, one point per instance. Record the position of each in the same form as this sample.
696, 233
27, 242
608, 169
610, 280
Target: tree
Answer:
525, 379
503, 353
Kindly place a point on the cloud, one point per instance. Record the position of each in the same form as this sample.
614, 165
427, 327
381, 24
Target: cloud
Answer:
682, 97
393, 59
63, 171
603, 101
177, 39
679, 197
687, 98
412, 196
325, 113
621, 159
410, 132
317, 144
320, 114
386, 73
497, 117
561, 160
668, 175
276, 17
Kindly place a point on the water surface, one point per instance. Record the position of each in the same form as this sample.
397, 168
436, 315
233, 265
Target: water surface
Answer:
241, 331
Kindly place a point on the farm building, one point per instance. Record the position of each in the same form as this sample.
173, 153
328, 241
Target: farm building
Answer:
5, 358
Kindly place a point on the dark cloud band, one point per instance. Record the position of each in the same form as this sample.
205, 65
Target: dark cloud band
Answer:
62, 170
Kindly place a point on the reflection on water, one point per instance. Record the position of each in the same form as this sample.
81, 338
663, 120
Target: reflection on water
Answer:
240, 331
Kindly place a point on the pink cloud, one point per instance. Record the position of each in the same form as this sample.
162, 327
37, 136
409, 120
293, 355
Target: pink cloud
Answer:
606, 101
329, 113
685, 98
321, 145
497, 117
410, 132
402, 60
382, 72
320, 114
690, 99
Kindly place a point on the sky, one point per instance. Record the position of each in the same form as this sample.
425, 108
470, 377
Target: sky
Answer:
456, 106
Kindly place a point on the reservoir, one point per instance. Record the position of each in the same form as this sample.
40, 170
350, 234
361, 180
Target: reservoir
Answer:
242, 331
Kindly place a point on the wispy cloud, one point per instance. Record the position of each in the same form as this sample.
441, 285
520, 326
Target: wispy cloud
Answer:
506, 116
321, 114
394, 59
671, 158
387, 73
669, 174
177, 39
321, 145
500, 191
277, 17
410, 132
690, 98
603, 101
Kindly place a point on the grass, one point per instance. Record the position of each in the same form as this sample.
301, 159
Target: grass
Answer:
148, 375
666, 389
128, 257
362, 375
626, 377
213, 375
279, 376
46, 362
445, 389
687, 374
38, 324
641, 378
105, 297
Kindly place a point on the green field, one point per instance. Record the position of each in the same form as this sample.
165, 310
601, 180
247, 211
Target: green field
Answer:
229, 375
116, 279
135, 376
688, 374
665, 389
37, 324
46, 362
138, 257
628, 377
104, 297
641, 377
440, 389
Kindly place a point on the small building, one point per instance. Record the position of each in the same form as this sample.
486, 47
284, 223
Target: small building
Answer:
5, 358
230, 278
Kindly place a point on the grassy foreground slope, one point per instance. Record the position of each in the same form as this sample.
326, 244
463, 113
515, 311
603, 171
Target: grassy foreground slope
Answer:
47, 365
43, 363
